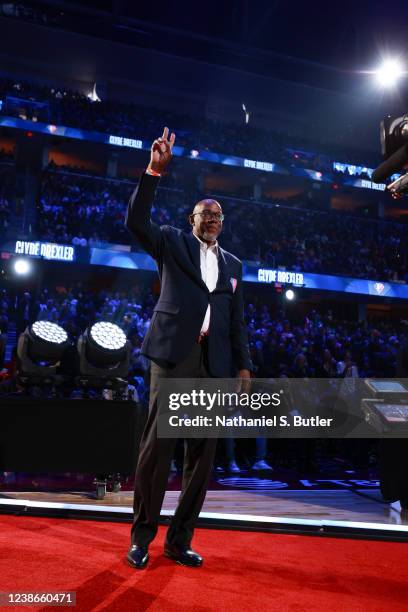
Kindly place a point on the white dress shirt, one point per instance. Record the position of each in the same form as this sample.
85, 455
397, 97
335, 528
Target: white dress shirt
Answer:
209, 274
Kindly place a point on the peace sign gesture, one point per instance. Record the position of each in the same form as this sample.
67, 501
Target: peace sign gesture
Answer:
161, 152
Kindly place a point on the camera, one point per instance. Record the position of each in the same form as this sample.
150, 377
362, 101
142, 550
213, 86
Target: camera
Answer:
394, 149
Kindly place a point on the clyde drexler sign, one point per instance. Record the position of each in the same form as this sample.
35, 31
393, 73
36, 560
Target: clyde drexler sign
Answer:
47, 250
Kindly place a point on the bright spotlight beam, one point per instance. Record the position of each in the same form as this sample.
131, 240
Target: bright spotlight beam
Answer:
290, 294
389, 73
22, 266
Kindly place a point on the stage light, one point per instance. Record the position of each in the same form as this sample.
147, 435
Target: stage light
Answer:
50, 333
40, 349
104, 352
388, 74
108, 336
290, 294
22, 266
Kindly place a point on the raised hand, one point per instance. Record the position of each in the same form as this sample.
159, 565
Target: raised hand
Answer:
161, 152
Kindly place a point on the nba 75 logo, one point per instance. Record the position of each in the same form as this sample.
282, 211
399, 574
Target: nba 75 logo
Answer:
379, 287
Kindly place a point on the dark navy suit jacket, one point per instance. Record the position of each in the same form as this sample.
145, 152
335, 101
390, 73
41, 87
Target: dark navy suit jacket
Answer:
184, 297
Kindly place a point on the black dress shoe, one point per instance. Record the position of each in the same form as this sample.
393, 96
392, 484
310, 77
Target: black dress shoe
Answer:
138, 556
183, 556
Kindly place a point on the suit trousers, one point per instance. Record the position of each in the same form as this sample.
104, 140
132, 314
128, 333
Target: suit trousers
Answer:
154, 462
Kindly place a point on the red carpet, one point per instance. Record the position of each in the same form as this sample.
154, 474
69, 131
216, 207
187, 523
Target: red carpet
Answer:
242, 571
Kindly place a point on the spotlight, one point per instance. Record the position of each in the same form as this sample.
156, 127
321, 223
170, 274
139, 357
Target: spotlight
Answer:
104, 352
51, 334
290, 294
22, 266
389, 73
40, 349
109, 340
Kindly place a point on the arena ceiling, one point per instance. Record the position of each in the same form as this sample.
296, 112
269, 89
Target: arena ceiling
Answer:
320, 43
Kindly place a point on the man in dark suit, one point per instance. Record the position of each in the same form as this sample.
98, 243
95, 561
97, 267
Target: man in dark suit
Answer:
197, 330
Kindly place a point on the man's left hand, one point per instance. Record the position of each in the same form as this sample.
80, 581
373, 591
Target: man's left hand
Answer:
244, 381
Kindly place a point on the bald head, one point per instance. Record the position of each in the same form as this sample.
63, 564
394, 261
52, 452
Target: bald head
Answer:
206, 220
207, 205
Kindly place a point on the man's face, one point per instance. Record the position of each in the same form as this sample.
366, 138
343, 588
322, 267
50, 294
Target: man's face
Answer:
206, 220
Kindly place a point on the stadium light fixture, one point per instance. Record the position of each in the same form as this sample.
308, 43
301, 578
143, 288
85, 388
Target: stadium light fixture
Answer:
22, 267
389, 73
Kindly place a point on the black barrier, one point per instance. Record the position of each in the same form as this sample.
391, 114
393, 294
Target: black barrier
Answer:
89, 436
